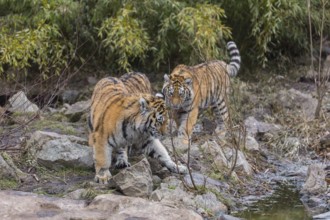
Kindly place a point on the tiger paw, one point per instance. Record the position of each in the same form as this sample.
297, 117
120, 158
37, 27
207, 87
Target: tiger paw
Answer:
181, 169
120, 164
103, 176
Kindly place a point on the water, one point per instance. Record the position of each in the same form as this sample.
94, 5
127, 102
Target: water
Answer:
284, 204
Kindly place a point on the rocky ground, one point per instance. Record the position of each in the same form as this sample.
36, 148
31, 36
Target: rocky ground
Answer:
47, 166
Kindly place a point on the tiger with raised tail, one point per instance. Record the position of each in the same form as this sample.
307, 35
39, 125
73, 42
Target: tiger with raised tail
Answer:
190, 88
120, 119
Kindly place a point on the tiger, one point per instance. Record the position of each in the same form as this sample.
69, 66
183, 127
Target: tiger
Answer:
120, 119
191, 88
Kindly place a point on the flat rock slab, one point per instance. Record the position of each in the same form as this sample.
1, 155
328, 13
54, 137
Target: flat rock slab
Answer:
22, 205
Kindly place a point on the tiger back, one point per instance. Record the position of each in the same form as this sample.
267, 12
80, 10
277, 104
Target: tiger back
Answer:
136, 82
190, 88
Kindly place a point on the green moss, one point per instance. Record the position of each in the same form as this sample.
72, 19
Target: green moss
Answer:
55, 126
171, 187
64, 172
58, 117
8, 184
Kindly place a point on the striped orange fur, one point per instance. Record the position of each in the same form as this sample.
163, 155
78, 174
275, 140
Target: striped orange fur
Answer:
190, 88
125, 114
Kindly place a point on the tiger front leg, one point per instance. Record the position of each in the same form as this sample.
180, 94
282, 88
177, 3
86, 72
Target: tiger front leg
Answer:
102, 159
122, 159
187, 121
156, 149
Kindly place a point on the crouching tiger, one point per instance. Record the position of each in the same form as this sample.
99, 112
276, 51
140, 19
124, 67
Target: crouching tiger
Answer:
120, 119
190, 88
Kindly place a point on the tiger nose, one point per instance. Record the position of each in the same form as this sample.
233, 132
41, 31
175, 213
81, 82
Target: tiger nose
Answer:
176, 100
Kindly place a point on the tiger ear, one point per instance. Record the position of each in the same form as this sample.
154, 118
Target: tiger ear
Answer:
188, 81
143, 105
166, 78
160, 95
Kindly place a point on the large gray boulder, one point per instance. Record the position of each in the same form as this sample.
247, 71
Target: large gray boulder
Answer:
224, 157
122, 207
22, 205
172, 192
135, 180
210, 203
294, 100
55, 151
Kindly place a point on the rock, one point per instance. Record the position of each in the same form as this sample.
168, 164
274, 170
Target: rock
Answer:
209, 201
76, 194
55, 151
6, 172
92, 80
314, 205
251, 144
323, 216
315, 182
22, 205
70, 96
171, 192
156, 180
221, 154
75, 111
293, 99
201, 180
135, 180
241, 163
121, 207
20, 103
222, 216
254, 127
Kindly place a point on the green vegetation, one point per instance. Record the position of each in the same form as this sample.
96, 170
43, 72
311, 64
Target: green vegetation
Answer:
8, 184
47, 37
54, 126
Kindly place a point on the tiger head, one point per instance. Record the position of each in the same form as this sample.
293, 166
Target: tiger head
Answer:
154, 111
178, 90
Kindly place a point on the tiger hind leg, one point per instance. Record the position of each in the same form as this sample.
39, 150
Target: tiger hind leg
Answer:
220, 112
156, 149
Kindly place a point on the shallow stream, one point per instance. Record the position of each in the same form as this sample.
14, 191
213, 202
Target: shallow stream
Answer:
284, 204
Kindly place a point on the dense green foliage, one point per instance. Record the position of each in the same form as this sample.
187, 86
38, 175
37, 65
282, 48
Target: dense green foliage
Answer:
49, 35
